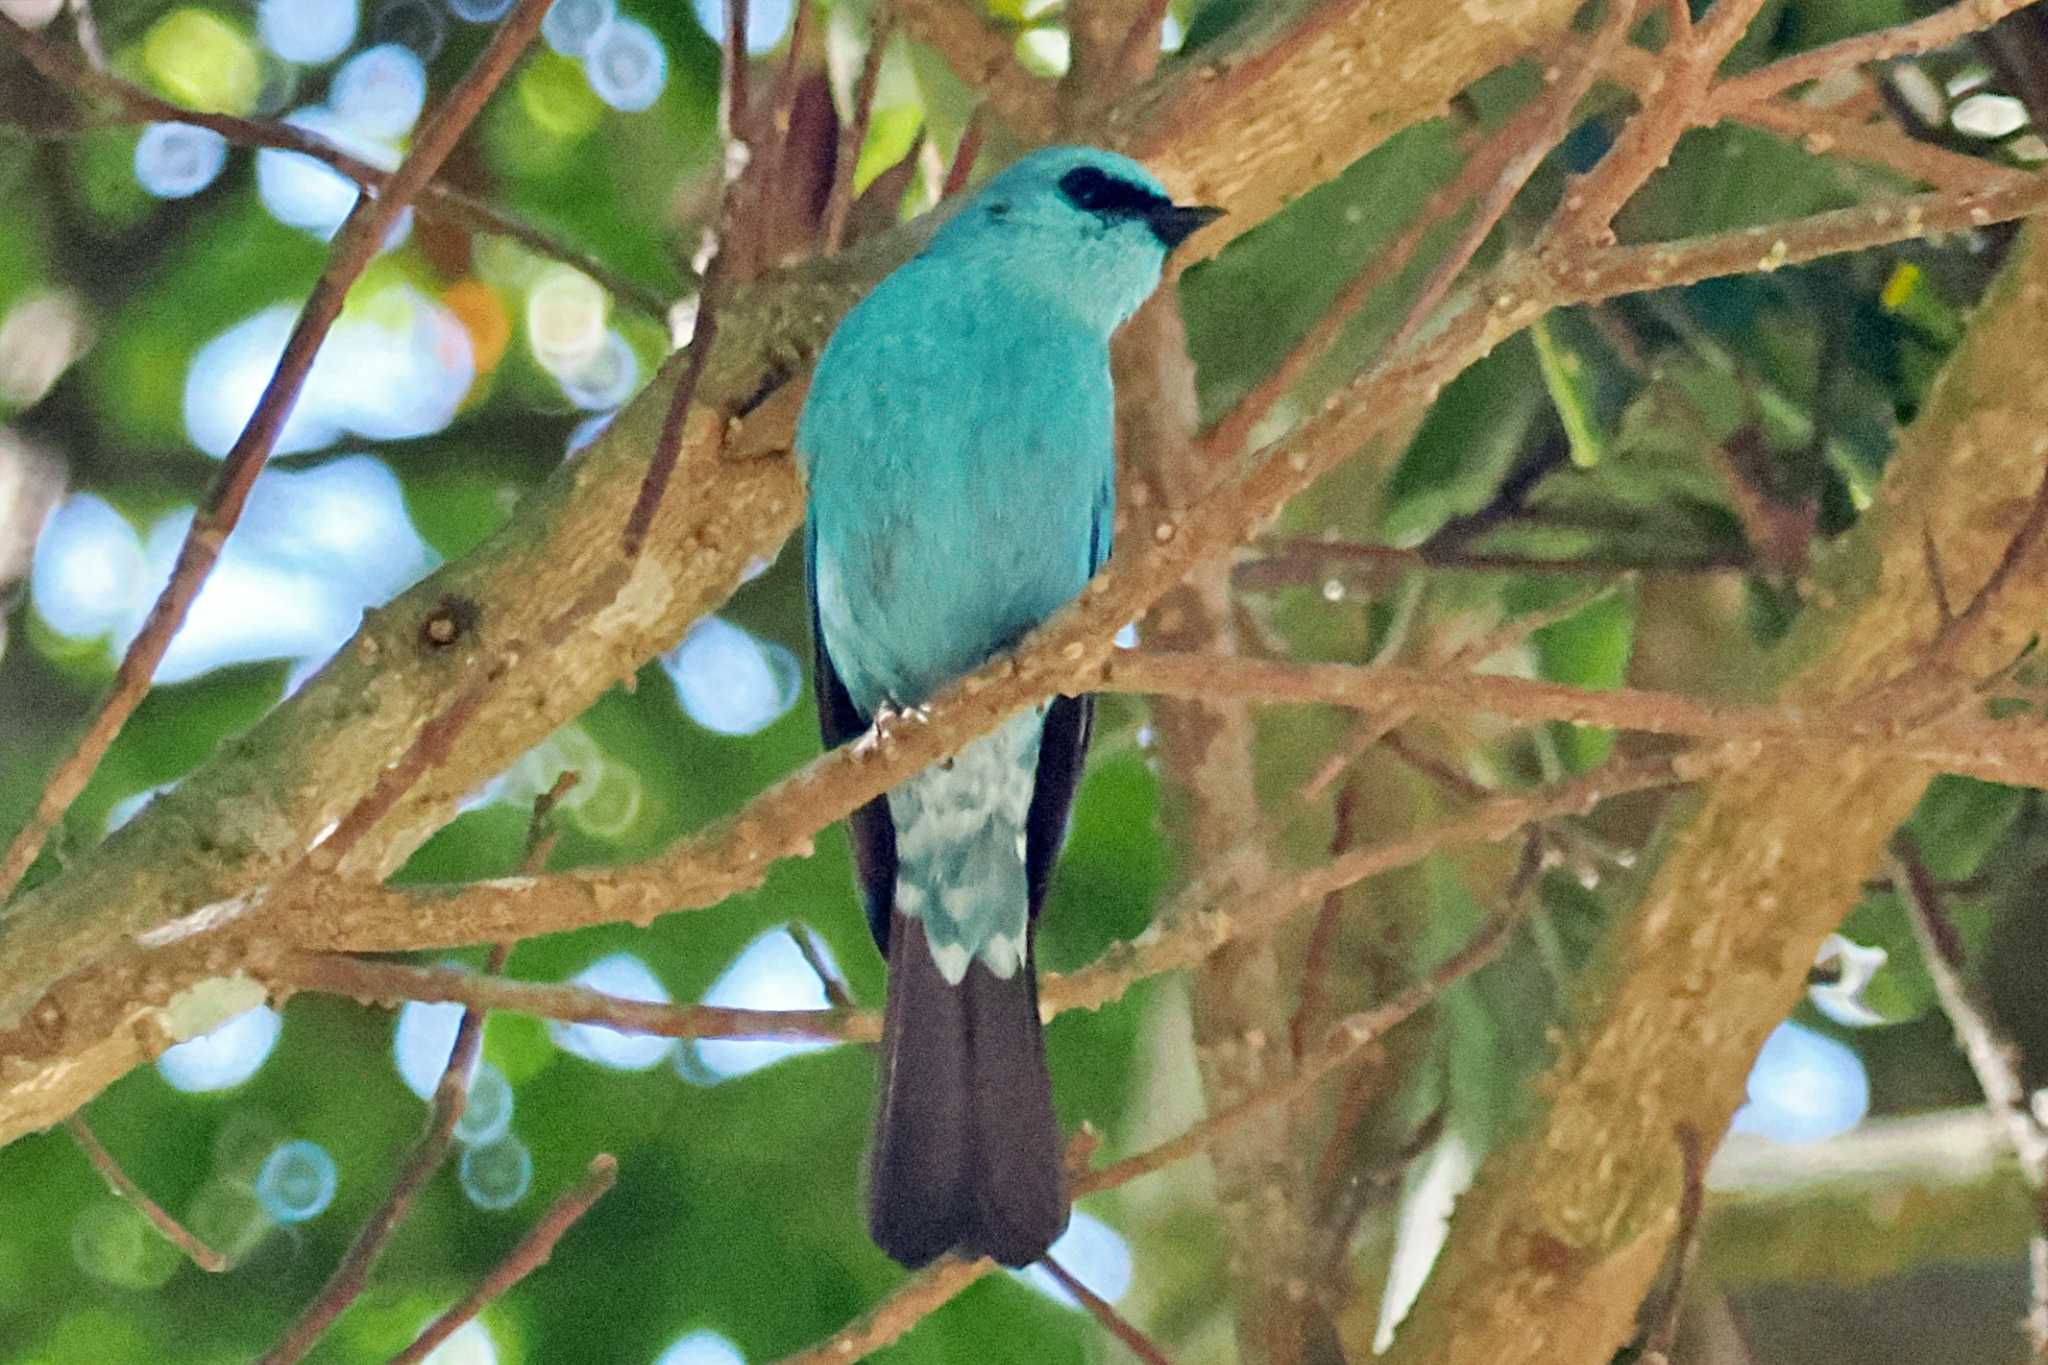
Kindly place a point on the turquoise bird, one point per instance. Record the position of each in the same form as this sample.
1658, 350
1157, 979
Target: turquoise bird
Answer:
959, 446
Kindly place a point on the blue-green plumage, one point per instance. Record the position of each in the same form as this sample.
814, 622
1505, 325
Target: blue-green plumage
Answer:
958, 443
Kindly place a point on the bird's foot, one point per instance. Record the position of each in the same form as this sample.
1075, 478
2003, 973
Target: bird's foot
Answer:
888, 717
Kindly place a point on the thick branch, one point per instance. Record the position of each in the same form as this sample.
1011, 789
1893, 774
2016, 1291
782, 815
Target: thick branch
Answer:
1560, 1238
257, 805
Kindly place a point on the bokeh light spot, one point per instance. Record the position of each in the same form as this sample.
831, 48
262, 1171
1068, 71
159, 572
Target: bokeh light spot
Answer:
1094, 1253
203, 62
308, 32
1805, 1087
565, 319
469, 1344
86, 561
557, 97
627, 977
31, 13
606, 378
730, 682
569, 25
496, 1175
395, 367
112, 1242
701, 1347
416, 24
769, 974
487, 1116
297, 1182
421, 1042
1989, 116
224, 1058
302, 193
380, 91
482, 314
177, 160
627, 65
227, 1216
767, 21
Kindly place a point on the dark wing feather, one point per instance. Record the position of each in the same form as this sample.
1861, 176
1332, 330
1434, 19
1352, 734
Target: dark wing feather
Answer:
840, 722
1063, 752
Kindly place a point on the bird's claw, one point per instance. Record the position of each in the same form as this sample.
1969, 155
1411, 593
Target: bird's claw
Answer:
887, 717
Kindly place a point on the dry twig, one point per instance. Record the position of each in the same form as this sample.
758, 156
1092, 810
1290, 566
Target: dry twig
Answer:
1993, 1056
1104, 1312
358, 241
531, 1254
854, 136
436, 200
123, 1184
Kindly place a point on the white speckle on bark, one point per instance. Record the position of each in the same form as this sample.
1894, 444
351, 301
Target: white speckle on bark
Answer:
204, 918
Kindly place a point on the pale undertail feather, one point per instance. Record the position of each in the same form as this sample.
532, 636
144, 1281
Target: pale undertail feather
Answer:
967, 1154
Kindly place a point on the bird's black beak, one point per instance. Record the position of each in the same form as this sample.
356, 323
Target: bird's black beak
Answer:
1173, 224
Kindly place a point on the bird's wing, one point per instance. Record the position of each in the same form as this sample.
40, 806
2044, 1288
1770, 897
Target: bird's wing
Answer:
1063, 750
839, 722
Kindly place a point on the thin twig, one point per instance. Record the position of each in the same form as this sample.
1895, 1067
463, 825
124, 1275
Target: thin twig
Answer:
965, 154
1375, 726
1483, 167
1306, 561
371, 981
531, 1254
1345, 1041
1316, 961
1998, 751
1958, 627
123, 1184
1831, 133
854, 135
451, 1098
882, 1326
429, 750
1687, 68
360, 238
716, 265
352, 1275
540, 835
837, 994
1992, 1053
782, 108
734, 103
436, 200
1105, 1313
1557, 104
1692, 1200
1901, 40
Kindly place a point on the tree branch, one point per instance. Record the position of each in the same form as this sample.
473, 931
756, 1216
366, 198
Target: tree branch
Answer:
362, 711
530, 1255
436, 200
359, 239
1567, 1223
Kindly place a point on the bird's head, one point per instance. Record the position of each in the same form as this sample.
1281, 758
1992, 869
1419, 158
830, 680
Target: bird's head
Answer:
1089, 227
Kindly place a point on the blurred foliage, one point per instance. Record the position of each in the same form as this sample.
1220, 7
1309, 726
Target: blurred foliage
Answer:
1740, 423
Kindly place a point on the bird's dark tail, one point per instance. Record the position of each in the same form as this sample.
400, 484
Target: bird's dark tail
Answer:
967, 1150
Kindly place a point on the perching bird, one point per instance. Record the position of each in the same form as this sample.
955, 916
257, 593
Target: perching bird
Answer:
959, 445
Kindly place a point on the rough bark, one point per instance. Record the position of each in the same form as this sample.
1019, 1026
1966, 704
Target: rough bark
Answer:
81, 1003
1559, 1240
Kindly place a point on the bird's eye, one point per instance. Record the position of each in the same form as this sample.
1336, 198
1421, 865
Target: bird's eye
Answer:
1096, 191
